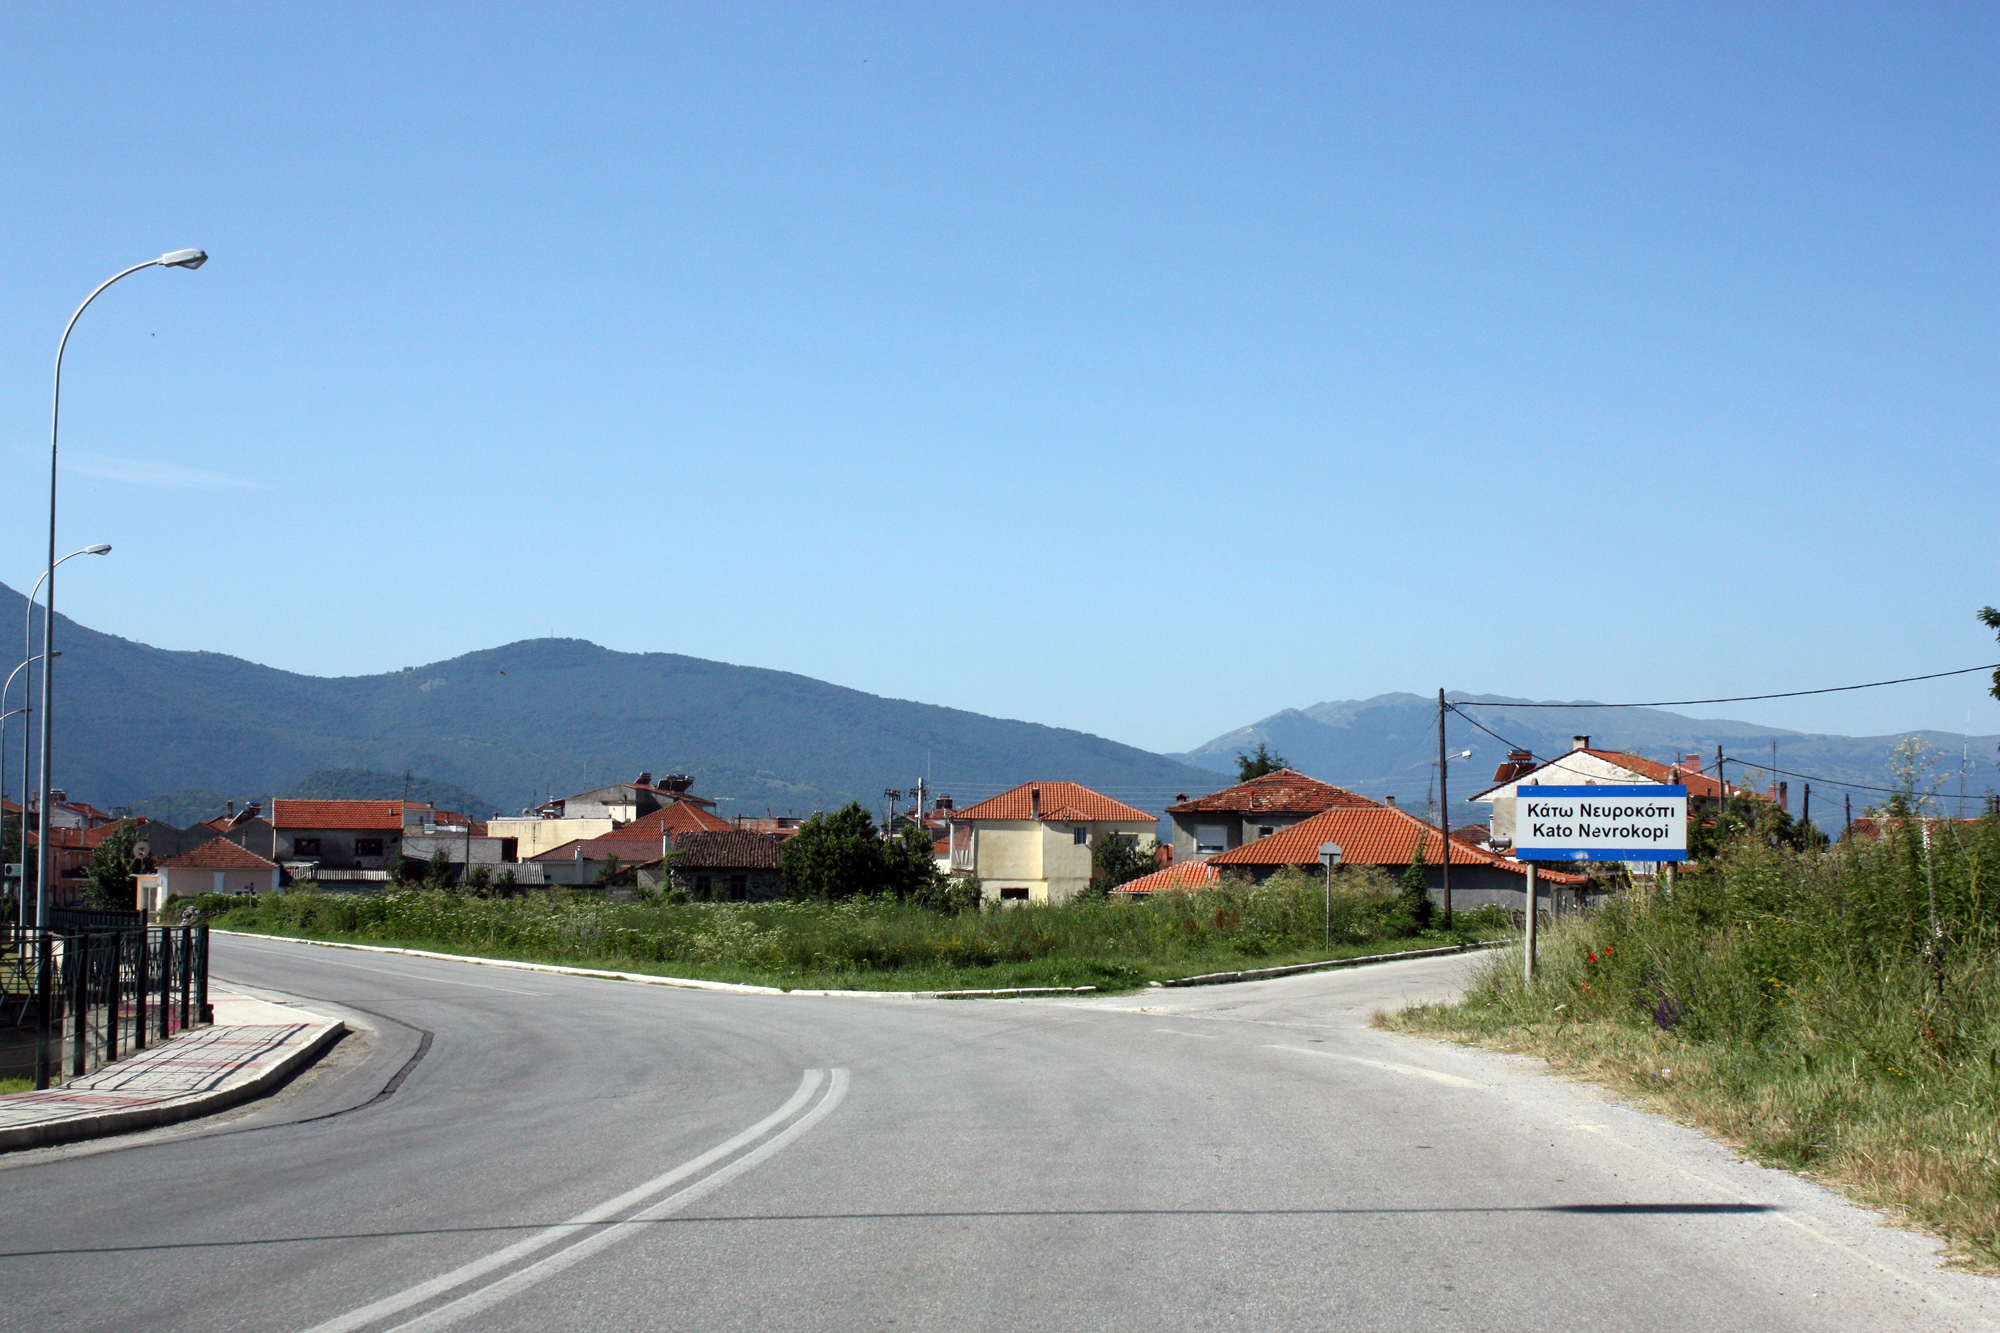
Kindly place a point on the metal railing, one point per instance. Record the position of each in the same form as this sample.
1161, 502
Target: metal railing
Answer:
71, 1001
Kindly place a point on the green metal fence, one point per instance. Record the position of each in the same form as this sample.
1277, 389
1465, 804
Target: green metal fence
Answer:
74, 1000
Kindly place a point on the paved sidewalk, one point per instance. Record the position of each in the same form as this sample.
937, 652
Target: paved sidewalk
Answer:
252, 1047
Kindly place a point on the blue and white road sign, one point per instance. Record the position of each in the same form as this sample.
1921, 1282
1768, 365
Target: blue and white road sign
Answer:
1600, 823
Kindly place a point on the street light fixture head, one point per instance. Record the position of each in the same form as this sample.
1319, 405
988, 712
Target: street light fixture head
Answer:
102, 548
184, 259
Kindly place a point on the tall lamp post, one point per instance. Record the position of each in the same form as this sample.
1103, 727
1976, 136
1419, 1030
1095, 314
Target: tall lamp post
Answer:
28, 654
189, 259
21, 879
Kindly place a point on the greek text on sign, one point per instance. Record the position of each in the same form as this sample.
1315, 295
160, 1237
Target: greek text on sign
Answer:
1600, 823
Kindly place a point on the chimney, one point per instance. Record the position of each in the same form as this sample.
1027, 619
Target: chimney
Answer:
1034, 802
1785, 797
1579, 743
229, 809
1692, 763
1390, 800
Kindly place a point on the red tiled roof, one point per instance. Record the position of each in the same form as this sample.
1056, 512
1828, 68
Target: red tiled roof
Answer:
1283, 792
218, 854
641, 853
1698, 784
676, 819
339, 814
1075, 801
1383, 836
1872, 827
1186, 875
737, 849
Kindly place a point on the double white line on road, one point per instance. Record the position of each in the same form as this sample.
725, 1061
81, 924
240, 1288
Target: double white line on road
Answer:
612, 1211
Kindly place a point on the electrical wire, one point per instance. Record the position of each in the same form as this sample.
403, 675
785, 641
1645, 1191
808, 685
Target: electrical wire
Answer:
1738, 698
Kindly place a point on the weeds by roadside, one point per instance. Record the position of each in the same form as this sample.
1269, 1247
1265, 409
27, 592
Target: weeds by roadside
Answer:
876, 943
1838, 1015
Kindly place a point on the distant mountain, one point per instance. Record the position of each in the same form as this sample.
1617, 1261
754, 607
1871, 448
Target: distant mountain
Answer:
1385, 746
540, 717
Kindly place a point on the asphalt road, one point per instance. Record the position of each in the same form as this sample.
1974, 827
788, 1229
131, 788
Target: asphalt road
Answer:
577, 1154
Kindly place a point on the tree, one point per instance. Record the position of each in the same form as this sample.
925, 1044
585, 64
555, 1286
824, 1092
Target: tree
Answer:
1258, 762
612, 874
113, 871
437, 873
909, 870
1990, 617
834, 855
1416, 886
1118, 859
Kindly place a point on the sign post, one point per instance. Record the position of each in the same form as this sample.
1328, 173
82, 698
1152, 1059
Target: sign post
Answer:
1329, 856
1534, 906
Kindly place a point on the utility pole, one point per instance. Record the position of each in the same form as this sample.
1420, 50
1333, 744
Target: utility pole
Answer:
1805, 812
1847, 809
1444, 810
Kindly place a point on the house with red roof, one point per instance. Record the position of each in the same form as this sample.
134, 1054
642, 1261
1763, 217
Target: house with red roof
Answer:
556, 824
217, 866
736, 865
345, 835
1033, 843
1388, 838
1251, 810
1583, 765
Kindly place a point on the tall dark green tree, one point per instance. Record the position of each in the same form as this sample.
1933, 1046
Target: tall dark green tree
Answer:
834, 855
1990, 617
1258, 762
1416, 887
114, 869
1118, 859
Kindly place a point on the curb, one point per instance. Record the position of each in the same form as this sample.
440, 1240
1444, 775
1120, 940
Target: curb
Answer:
1264, 973
685, 983
151, 1117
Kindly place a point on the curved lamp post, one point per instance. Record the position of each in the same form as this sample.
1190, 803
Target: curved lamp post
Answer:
21, 883
27, 708
189, 259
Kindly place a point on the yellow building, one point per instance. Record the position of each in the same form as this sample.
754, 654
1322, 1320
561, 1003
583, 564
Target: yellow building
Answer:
1034, 843
536, 835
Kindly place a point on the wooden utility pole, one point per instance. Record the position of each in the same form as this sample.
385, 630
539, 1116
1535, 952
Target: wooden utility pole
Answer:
1444, 811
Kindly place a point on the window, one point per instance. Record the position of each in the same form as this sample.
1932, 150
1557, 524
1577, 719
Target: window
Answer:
305, 846
1266, 830
1013, 895
702, 885
367, 846
1081, 833
1210, 839
739, 888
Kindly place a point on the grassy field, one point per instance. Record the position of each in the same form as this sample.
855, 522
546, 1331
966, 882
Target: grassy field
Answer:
876, 944
1838, 1015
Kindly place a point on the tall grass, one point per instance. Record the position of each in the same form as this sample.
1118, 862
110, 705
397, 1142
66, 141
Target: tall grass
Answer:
1834, 1013
872, 942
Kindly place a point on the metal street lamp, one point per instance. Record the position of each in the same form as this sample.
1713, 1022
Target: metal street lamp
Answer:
28, 654
21, 880
188, 259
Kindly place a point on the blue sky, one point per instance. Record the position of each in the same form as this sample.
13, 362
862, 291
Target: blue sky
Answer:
1143, 369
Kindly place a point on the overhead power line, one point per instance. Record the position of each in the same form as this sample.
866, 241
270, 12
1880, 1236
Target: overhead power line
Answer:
1733, 699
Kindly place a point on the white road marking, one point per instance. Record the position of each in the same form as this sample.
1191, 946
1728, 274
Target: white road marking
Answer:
412, 976
1205, 1036
1412, 1070
603, 1212
478, 1302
